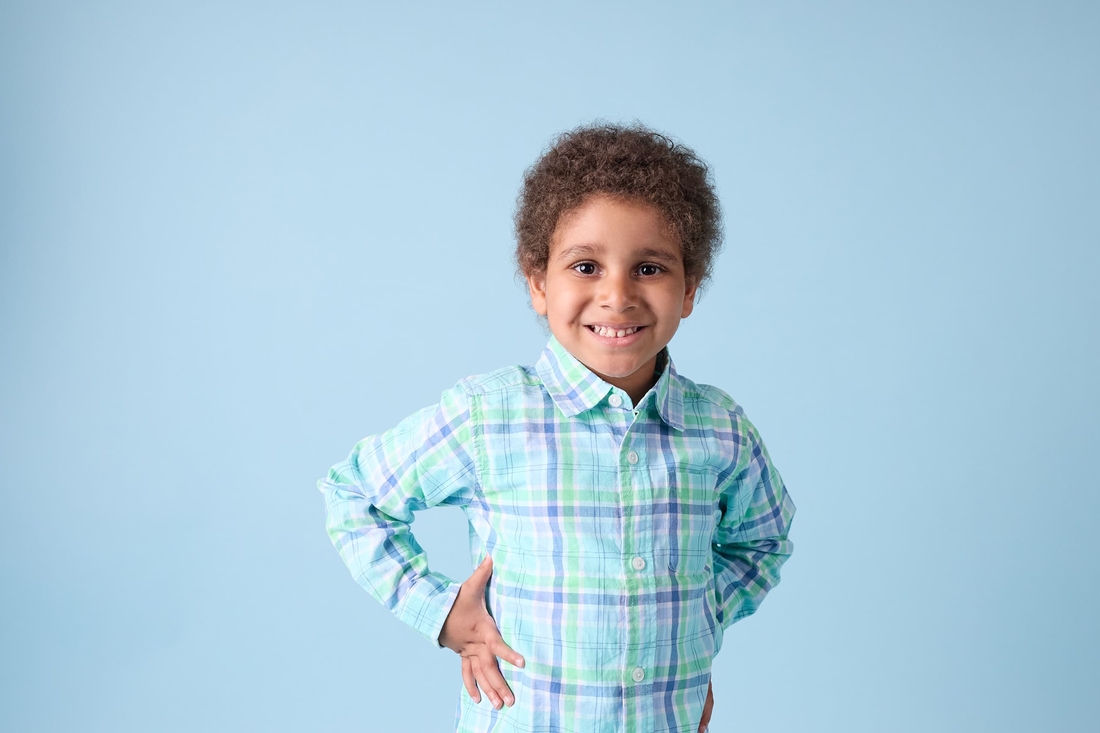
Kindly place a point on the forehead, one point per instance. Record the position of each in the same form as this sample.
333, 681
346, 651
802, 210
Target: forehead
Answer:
604, 225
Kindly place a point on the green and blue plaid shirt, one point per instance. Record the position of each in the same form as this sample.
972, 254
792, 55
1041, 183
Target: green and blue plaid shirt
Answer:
625, 538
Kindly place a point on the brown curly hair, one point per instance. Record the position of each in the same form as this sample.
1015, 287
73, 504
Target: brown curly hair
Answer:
631, 162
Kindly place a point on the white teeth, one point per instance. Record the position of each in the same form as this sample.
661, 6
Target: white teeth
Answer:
614, 333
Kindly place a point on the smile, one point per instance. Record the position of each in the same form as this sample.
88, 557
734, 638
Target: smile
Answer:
608, 332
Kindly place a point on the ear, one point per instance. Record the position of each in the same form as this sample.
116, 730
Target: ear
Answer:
689, 297
536, 284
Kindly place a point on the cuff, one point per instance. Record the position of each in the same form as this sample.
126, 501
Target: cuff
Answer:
427, 603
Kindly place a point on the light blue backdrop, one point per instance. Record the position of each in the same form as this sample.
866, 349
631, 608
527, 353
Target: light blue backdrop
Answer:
236, 238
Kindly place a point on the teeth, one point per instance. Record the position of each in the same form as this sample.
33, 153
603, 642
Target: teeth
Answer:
614, 333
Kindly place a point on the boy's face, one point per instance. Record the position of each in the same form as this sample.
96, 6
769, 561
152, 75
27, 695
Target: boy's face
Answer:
614, 290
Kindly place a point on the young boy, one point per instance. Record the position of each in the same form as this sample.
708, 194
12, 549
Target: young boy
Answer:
622, 516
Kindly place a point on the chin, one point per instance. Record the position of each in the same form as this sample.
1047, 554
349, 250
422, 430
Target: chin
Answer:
618, 371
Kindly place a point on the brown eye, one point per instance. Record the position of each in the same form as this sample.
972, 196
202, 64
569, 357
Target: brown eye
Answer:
585, 268
649, 269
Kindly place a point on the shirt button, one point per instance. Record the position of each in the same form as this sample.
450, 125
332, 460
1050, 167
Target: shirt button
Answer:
638, 563
615, 400
632, 457
638, 674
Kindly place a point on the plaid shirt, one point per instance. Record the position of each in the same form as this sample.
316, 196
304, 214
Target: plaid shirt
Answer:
625, 538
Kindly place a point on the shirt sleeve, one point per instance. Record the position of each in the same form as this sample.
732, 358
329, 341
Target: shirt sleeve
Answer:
750, 543
425, 461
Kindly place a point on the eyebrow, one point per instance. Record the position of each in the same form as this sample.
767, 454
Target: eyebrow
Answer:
590, 250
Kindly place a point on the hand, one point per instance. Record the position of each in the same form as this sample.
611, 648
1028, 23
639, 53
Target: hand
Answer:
471, 632
708, 708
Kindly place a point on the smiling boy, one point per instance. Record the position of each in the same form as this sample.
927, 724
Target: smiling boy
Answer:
621, 515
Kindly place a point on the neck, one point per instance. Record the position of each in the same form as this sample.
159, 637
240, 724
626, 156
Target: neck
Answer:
641, 381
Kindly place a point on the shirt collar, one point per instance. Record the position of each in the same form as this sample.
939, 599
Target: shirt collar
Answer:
575, 388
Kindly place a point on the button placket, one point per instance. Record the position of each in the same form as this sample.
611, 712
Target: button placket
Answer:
641, 622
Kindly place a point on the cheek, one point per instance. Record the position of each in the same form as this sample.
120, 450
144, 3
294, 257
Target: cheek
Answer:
672, 301
565, 302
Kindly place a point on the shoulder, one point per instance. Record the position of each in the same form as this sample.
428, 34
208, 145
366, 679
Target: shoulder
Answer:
505, 379
711, 412
473, 397
706, 400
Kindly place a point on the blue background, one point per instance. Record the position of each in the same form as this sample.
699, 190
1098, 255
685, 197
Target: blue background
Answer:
236, 238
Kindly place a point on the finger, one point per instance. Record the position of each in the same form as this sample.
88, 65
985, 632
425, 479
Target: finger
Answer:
708, 708
468, 680
490, 673
498, 647
484, 684
505, 692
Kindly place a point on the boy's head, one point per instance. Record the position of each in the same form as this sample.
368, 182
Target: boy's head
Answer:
625, 162
616, 228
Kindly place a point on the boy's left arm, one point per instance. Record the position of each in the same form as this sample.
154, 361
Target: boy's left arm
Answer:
750, 543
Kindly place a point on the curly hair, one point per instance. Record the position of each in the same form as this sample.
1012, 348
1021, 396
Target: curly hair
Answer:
631, 162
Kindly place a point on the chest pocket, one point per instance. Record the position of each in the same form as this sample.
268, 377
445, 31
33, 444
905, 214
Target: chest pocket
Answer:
686, 514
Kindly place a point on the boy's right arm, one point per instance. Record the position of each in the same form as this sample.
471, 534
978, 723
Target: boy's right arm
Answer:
370, 498
426, 460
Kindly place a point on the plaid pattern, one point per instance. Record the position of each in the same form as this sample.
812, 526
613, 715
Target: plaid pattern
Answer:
625, 539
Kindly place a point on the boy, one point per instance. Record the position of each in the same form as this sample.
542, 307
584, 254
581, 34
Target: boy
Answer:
622, 516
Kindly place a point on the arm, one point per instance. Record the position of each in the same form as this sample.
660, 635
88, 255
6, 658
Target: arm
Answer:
370, 498
750, 543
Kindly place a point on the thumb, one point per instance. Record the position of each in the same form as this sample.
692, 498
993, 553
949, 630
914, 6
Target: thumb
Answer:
482, 573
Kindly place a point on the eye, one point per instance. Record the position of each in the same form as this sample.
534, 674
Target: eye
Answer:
649, 269
585, 268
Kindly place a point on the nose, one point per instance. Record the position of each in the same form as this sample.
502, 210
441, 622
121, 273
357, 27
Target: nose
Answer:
618, 292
